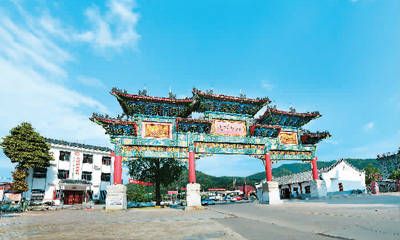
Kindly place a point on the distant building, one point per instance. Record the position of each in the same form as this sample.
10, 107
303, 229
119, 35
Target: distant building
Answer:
388, 163
340, 178
78, 173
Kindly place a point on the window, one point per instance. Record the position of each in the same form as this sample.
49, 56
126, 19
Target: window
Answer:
106, 161
87, 176
37, 195
87, 158
307, 188
63, 174
103, 194
39, 172
105, 177
58, 194
64, 156
340, 187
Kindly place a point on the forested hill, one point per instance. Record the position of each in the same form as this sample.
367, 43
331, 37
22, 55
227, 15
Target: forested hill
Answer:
208, 181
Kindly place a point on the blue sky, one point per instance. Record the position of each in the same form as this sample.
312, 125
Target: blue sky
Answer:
59, 59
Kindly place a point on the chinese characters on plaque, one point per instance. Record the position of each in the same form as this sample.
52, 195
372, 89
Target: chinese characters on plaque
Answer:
157, 130
288, 138
229, 128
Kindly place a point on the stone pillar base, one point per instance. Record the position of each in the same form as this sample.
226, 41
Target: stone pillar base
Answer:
116, 197
270, 193
193, 197
318, 188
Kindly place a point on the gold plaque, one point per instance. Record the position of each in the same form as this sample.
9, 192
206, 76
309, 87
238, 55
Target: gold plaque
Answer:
157, 130
288, 138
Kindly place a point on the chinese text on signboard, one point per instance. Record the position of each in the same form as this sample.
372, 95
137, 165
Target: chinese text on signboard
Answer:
229, 128
156, 130
288, 138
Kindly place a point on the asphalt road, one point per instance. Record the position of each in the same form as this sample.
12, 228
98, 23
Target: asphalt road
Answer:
359, 217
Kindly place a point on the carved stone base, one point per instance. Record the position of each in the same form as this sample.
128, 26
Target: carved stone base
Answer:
318, 189
116, 197
270, 193
193, 197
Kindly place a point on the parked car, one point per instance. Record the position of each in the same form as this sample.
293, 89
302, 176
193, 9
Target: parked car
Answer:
239, 198
206, 202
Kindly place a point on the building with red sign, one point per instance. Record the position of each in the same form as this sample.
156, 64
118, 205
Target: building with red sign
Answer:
78, 173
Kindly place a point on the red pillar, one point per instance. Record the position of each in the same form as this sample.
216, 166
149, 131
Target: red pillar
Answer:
314, 168
268, 168
192, 168
117, 169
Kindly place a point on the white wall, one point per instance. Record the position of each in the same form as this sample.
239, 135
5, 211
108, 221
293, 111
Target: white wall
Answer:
350, 178
51, 182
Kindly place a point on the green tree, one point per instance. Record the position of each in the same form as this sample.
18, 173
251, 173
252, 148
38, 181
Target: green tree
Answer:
25, 147
137, 193
395, 175
371, 173
162, 171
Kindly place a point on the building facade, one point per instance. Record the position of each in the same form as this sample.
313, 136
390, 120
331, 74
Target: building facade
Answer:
77, 174
339, 178
388, 163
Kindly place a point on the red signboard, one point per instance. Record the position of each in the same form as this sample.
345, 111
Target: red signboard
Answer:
172, 192
140, 182
77, 163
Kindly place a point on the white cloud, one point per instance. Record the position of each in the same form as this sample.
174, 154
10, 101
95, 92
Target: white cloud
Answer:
91, 82
114, 29
29, 62
369, 126
33, 70
266, 85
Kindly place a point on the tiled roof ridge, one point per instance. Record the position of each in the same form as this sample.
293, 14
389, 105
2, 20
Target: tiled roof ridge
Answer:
79, 145
232, 98
150, 98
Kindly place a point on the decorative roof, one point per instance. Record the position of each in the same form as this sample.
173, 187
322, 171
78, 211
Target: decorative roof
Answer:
78, 145
273, 116
388, 155
115, 127
313, 138
222, 103
221, 97
135, 104
307, 175
265, 131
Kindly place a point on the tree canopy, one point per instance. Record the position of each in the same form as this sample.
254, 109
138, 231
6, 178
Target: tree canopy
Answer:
25, 147
372, 173
158, 171
395, 175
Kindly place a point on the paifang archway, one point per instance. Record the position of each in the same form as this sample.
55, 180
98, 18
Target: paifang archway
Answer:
155, 127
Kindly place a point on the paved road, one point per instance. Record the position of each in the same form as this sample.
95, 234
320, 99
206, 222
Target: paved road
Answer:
361, 217
131, 224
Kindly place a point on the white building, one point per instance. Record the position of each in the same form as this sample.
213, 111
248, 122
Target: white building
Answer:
78, 173
339, 178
